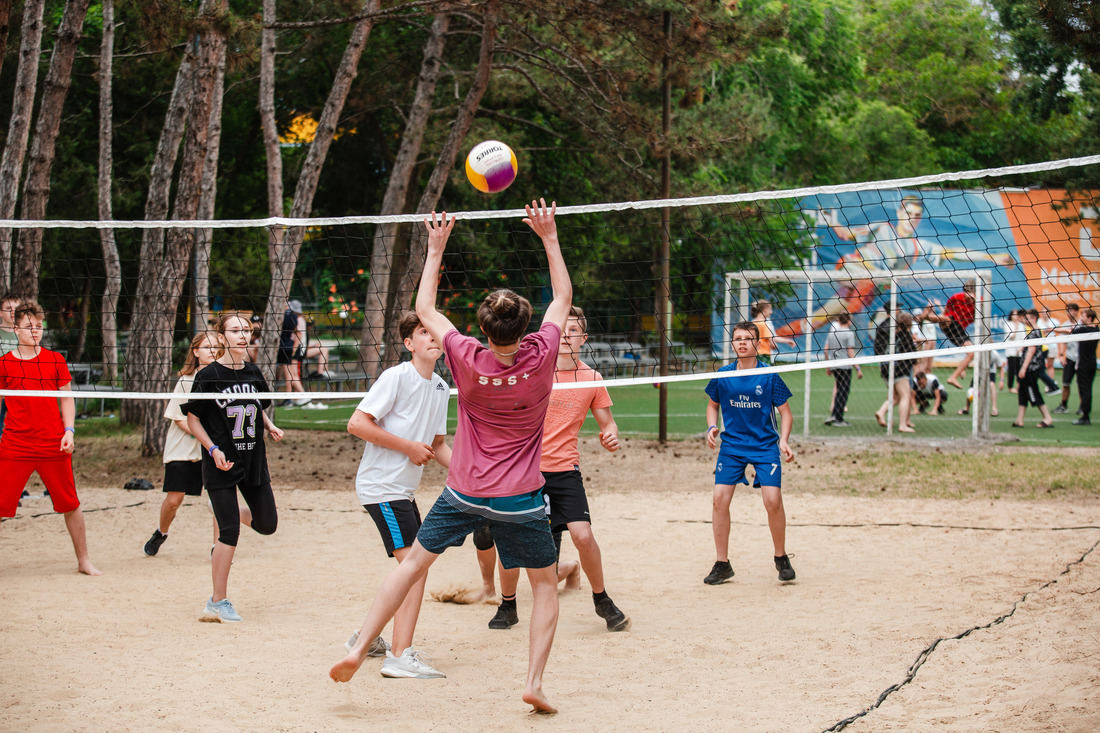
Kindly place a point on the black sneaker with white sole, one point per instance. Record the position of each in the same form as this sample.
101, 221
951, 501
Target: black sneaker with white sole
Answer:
783, 565
505, 618
609, 612
720, 573
154, 543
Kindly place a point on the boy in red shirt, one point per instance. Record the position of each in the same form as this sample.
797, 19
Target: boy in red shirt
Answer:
957, 316
38, 431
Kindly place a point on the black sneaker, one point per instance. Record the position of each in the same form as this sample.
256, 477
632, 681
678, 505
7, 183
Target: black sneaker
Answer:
609, 612
506, 617
1060, 410
1081, 421
783, 565
720, 573
154, 543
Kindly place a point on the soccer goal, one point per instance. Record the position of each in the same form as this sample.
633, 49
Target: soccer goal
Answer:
807, 301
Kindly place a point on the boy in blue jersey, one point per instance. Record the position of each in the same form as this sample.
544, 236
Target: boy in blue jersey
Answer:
749, 437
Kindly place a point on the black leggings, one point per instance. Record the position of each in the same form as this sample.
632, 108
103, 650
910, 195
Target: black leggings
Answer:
1084, 387
843, 379
227, 512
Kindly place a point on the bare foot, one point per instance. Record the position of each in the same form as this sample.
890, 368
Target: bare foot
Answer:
538, 702
345, 669
906, 429
954, 383
994, 413
881, 419
910, 425
462, 595
87, 568
570, 571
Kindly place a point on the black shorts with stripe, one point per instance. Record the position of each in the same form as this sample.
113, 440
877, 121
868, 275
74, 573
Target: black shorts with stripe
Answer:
397, 522
565, 495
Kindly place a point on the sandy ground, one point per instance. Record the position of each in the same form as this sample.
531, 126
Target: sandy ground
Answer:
879, 581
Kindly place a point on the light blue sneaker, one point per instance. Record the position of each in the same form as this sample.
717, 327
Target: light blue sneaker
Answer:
222, 612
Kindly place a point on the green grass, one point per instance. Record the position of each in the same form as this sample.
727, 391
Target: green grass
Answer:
636, 409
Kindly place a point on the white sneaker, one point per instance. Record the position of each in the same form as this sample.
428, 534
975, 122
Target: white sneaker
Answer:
303, 401
222, 611
315, 406
378, 647
412, 664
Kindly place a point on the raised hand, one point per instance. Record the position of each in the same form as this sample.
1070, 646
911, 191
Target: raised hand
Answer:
439, 231
541, 219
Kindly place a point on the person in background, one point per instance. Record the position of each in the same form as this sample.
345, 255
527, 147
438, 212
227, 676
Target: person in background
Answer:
1067, 355
841, 344
762, 316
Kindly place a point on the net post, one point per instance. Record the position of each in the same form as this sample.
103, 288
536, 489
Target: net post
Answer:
893, 343
726, 317
982, 291
809, 352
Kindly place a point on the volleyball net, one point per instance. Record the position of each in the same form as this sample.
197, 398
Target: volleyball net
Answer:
1025, 237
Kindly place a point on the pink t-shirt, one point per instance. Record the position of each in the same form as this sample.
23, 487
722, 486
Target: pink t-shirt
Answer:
501, 410
565, 416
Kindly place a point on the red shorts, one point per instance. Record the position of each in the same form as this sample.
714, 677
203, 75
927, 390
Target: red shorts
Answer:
56, 474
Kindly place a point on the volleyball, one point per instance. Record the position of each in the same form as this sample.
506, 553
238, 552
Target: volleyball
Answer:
491, 166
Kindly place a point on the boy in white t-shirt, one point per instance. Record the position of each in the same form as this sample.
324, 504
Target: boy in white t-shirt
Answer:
404, 421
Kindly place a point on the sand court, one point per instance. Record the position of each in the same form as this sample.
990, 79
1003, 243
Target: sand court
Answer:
879, 580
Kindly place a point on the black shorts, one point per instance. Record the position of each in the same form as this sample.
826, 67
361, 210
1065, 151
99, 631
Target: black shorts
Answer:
1028, 393
564, 492
1069, 371
397, 522
184, 477
285, 356
955, 333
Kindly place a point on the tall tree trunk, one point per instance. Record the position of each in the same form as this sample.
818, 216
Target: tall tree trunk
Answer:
15, 148
112, 264
269, 334
208, 196
152, 243
273, 315
27, 255
284, 258
379, 289
5, 26
82, 337
418, 242
158, 294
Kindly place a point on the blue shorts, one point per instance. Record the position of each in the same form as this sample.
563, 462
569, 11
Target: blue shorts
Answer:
730, 470
519, 525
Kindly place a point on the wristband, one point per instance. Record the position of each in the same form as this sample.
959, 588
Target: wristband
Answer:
71, 430
712, 427
211, 450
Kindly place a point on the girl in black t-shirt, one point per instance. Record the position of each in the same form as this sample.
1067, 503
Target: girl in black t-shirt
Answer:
231, 430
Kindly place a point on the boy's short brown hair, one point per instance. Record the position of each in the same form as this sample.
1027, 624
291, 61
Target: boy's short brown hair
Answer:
747, 326
578, 313
28, 308
408, 324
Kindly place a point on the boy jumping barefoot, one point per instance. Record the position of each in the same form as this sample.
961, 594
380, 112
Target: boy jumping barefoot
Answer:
749, 437
494, 479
